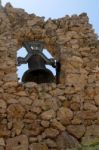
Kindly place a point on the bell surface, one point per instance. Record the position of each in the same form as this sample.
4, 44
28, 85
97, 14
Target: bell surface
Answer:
37, 71
38, 76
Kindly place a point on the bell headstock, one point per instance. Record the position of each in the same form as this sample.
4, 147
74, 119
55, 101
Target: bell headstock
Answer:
34, 45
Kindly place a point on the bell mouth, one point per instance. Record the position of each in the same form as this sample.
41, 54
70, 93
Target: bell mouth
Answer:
38, 76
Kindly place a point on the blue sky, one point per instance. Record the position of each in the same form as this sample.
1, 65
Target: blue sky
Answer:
58, 9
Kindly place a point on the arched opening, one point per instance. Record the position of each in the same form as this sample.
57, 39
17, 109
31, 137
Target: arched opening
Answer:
24, 67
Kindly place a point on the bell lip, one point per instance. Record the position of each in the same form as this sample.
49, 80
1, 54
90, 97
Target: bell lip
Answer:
29, 70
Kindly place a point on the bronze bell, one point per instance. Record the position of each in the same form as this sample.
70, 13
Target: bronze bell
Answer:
37, 71
37, 61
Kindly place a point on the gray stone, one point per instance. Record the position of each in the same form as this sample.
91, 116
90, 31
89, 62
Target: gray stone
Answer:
65, 140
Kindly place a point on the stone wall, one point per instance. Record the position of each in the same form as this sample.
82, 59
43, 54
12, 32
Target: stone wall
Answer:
49, 116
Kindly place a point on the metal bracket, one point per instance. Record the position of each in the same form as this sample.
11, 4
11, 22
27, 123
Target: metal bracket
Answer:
35, 48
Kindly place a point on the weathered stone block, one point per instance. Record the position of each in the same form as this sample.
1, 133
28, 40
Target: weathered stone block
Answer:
64, 115
38, 146
17, 143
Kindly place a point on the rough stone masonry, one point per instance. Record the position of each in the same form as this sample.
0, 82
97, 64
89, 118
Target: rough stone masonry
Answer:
49, 116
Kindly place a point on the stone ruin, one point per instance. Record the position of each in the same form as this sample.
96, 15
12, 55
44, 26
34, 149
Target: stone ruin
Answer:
49, 116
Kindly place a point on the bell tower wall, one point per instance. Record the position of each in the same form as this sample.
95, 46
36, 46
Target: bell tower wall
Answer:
49, 116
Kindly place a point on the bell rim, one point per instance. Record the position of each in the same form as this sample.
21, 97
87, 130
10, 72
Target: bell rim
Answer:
29, 70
